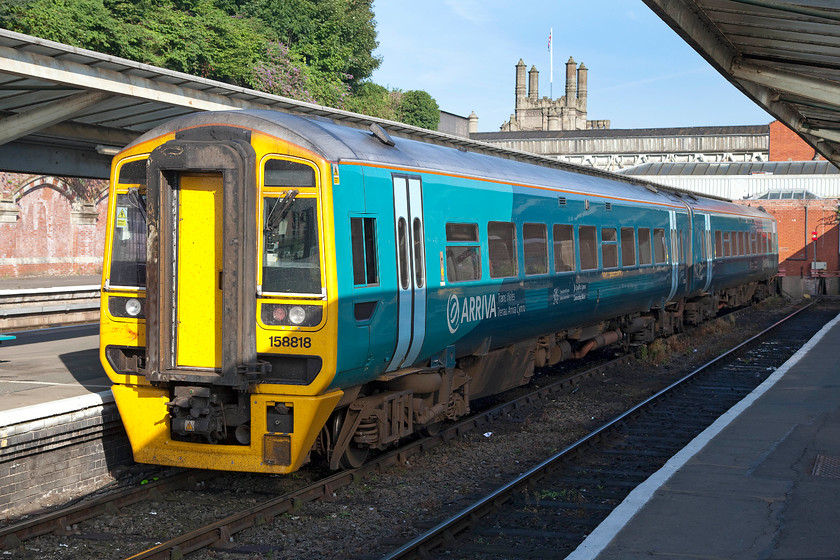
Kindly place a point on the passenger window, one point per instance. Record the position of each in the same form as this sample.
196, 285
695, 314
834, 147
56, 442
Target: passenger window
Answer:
588, 248
402, 248
564, 248
644, 246
419, 264
535, 248
727, 244
501, 242
463, 258
659, 250
628, 247
718, 244
609, 248
363, 241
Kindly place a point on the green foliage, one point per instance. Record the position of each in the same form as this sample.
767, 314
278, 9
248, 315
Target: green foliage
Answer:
285, 73
334, 37
418, 108
80, 23
374, 100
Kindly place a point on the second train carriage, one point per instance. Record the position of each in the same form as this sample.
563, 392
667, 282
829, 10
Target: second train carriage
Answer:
277, 285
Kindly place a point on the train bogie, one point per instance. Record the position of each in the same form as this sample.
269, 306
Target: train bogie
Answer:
278, 287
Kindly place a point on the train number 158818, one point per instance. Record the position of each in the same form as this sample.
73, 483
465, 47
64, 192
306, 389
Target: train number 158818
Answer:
291, 342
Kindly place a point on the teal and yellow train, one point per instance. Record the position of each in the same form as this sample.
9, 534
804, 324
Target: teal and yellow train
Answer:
280, 288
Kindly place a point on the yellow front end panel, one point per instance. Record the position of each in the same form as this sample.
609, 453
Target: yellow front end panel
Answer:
146, 419
199, 300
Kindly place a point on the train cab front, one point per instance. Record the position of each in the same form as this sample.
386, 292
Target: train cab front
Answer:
214, 311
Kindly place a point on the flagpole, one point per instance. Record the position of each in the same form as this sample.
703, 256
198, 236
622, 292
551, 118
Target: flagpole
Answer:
551, 64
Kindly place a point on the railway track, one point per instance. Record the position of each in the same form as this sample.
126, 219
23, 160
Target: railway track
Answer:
84, 522
549, 510
190, 486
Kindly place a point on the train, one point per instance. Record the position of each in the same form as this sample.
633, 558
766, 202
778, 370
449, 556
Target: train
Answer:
280, 288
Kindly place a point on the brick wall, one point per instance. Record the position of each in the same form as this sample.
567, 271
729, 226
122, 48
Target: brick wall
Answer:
797, 219
48, 229
786, 145
52, 457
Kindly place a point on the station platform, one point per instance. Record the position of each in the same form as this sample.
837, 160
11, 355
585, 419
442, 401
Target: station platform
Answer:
763, 482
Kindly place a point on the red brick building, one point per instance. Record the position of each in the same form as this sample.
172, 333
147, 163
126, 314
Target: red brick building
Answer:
786, 145
798, 221
51, 226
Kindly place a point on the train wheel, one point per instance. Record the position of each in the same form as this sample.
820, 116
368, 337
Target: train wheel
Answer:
354, 457
432, 429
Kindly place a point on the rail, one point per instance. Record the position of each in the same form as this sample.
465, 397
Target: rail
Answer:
445, 533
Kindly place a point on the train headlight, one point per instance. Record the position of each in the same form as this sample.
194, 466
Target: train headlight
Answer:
291, 315
127, 307
297, 315
133, 307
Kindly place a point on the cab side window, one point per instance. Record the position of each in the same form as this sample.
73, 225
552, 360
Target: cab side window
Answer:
363, 241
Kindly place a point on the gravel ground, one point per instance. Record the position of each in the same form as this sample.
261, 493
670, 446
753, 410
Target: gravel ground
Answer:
376, 514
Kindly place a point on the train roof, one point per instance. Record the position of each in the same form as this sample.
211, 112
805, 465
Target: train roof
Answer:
341, 142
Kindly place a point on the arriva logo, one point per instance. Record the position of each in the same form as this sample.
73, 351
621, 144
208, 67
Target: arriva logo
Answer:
469, 310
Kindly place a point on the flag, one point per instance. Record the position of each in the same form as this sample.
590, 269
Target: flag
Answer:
549, 39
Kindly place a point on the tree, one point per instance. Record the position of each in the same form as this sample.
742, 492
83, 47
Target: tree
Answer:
334, 37
418, 108
285, 73
374, 100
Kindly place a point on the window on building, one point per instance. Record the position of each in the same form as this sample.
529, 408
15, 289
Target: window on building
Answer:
501, 243
564, 248
535, 238
463, 257
609, 248
363, 241
588, 247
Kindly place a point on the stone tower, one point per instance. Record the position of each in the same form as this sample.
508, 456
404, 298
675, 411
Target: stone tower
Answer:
567, 113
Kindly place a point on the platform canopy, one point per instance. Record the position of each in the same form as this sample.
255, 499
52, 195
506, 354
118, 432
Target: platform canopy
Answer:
783, 54
66, 111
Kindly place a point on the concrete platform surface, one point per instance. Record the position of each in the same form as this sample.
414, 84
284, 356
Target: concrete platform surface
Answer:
763, 482
47, 365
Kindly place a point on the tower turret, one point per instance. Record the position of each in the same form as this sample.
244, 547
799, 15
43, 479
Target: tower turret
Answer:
533, 84
571, 87
582, 74
520, 83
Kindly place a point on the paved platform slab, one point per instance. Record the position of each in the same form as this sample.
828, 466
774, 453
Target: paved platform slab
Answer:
763, 482
47, 365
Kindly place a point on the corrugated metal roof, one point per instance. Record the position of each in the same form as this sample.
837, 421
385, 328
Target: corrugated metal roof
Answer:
784, 54
741, 130
750, 168
70, 101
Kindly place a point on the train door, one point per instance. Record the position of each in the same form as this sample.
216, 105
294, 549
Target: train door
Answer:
201, 249
411, 270
198, 295
675, 254
707, 240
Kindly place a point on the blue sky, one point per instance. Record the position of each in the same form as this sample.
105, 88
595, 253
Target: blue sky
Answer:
641, 74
